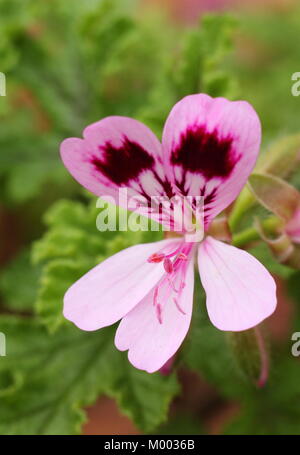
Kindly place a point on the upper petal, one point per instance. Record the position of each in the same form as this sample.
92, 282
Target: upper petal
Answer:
210, 146
111, 289
240, 292
117, 152
150, 342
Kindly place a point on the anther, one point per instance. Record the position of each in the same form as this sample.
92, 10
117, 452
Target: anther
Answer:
156, 257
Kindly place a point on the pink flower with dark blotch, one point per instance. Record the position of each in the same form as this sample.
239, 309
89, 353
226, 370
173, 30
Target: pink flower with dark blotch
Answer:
209, 148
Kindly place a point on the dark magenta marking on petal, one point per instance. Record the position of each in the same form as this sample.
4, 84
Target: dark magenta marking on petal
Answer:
166, 185
209, 198
205, 153
181, 184
124, 163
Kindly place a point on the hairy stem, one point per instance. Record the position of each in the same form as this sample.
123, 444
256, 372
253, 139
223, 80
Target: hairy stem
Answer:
251, 234
264, 359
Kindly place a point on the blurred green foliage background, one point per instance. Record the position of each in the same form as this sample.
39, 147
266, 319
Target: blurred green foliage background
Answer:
68, 64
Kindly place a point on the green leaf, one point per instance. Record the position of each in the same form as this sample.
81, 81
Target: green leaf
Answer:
19, 283
293, 291
272, 410
281, 158
197, 66
70, 248
181, 424
208, 351
45, 381
204, 51
67, 67
264, 255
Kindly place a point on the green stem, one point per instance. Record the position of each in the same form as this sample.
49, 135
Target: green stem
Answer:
243, 203
251, 234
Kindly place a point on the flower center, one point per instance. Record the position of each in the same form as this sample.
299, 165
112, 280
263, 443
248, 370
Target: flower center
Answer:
172, 283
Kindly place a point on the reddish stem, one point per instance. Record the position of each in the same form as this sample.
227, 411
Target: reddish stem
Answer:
264, 358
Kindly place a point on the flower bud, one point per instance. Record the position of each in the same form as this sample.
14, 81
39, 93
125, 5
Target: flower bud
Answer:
282, 247
251, 355
281, 160
276, 195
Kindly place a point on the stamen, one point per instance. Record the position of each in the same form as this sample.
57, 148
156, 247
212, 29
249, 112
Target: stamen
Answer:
181, 286
172, 282
159, 257
168, 266
178, 306
156, 257
155, 296
172, 285
170, 255
158, 313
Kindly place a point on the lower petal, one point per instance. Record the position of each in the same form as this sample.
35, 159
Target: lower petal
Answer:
240, 291
111, 289
151, 343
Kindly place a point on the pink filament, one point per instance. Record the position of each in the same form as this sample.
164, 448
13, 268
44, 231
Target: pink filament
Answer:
178, 265
178, 306
155, 296
168, 265
159, 313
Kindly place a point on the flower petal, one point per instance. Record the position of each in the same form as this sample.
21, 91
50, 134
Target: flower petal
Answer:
210, 147
151, 343
240, 291
111, 289
117, 152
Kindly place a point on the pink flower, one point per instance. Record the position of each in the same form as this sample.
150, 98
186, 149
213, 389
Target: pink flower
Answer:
209, 148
